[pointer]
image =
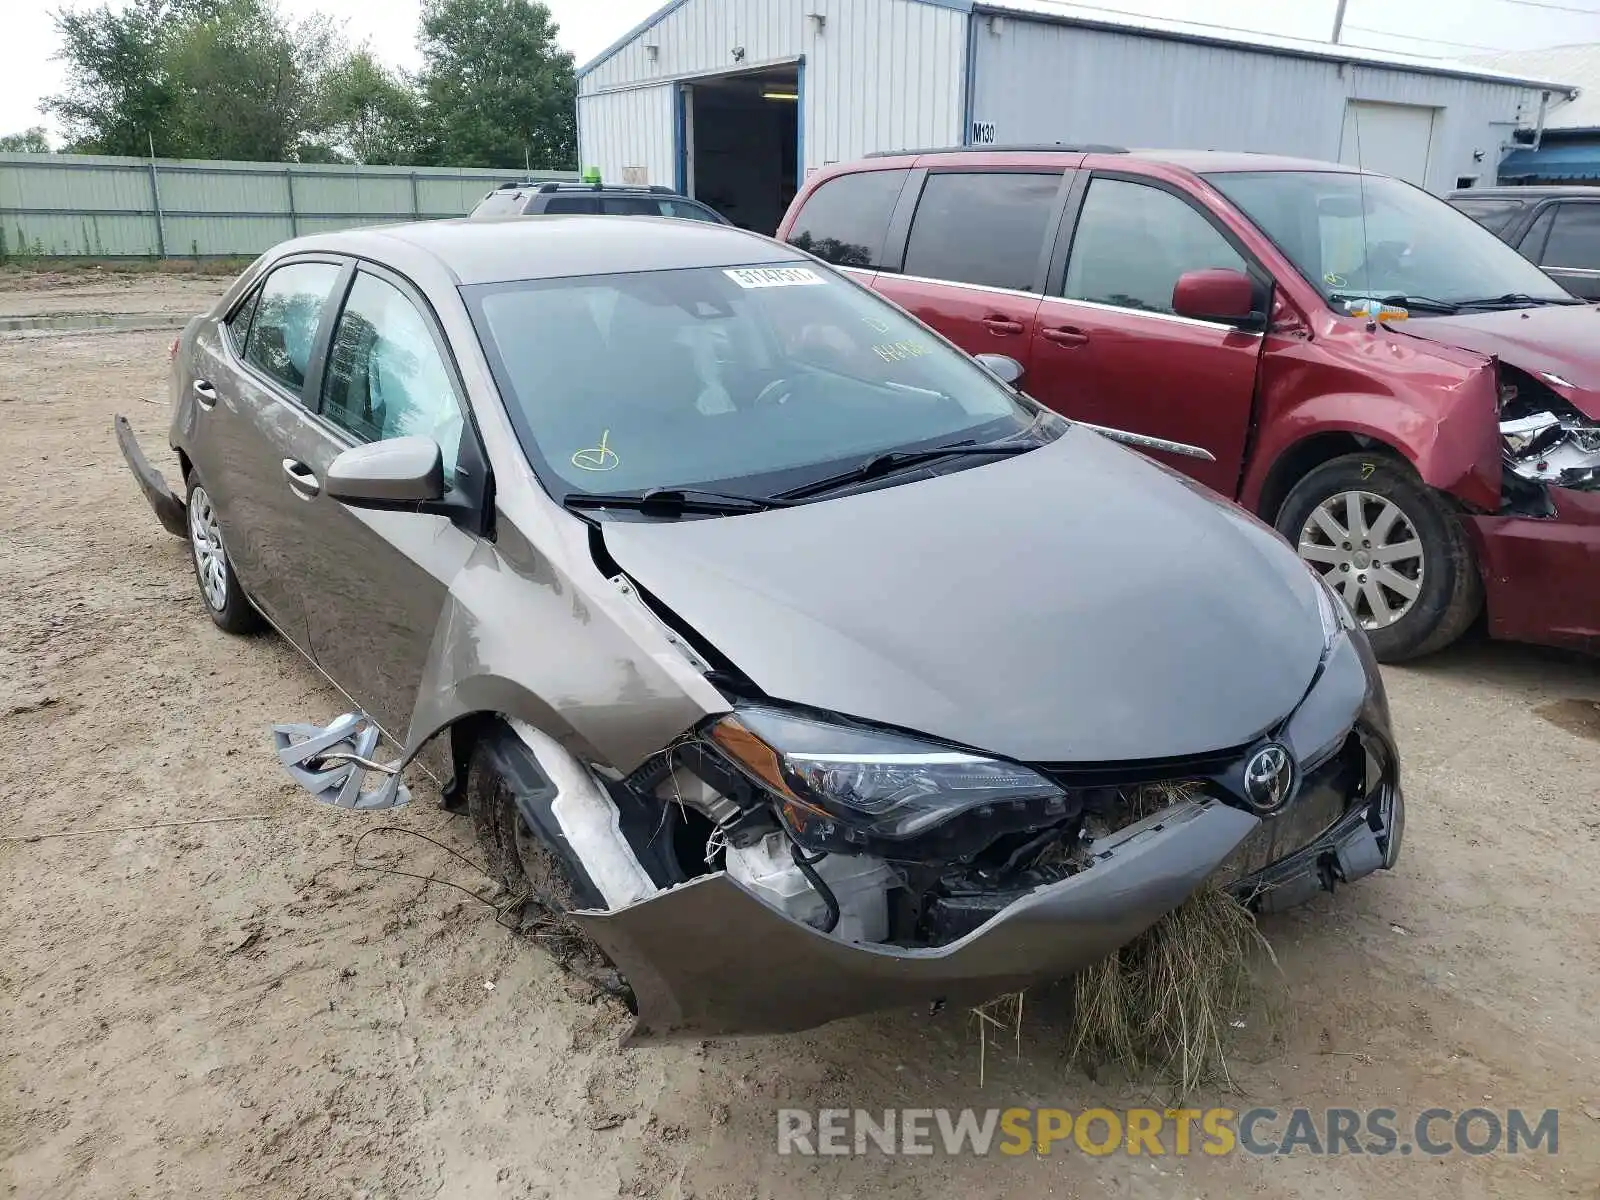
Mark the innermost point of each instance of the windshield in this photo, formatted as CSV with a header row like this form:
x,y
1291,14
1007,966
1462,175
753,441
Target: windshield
x,y
751,379
1369,235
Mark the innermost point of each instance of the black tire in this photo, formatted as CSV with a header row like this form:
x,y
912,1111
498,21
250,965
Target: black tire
x,y
1449,589
234,614
525,867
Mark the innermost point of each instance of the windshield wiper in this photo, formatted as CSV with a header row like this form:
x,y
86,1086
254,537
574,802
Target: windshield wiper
x,y
675,502
899,460
1511,299
1399,300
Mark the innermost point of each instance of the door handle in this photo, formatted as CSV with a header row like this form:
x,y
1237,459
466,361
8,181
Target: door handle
x,y
205,394
1002,326
301,481
1066,335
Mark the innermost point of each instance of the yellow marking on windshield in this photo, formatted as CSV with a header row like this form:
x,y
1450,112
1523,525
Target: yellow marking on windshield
x,y
877,323
599,458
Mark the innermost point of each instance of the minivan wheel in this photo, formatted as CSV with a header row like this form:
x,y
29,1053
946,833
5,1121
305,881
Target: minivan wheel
x,y
224,599
1392,547
525,868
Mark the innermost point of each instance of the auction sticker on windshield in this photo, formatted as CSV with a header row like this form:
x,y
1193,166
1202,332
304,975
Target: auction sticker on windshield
x,y
769,277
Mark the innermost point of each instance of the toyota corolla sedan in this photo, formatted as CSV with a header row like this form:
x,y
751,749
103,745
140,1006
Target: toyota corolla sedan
x,y
800,664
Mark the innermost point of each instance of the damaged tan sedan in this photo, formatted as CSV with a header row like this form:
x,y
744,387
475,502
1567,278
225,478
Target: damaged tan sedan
x,y
801,662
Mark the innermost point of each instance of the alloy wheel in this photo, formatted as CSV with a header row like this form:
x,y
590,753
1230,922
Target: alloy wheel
x,y
210,560
1369,551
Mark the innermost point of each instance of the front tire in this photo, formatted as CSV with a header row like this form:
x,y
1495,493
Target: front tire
x,y
525,867
1392,547
224,599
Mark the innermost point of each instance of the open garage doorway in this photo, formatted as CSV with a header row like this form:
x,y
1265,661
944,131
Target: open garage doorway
x,y
742,145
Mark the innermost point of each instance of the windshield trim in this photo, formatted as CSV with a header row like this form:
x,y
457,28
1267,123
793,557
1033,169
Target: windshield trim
x,y
559,489
1213,178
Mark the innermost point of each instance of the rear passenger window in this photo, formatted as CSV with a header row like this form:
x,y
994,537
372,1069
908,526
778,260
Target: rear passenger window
x,y
984,228
1575,237
239,324
286,320
1133,242
845,221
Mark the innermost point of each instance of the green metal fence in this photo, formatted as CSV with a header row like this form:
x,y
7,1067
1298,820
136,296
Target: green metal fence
x,y
98,206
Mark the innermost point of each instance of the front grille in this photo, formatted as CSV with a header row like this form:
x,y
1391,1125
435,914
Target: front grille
x,y
1126,791
1141,771
1324,797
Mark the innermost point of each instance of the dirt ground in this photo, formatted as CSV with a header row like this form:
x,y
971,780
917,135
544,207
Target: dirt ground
x,y
230,1009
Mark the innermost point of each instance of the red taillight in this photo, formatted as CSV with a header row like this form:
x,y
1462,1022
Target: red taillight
x,y
172,352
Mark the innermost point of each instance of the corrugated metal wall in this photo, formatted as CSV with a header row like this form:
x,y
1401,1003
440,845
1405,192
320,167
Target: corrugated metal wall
x,y
879,74
630,134
100,206
1041,82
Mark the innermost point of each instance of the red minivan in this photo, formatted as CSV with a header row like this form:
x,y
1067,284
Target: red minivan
x,y
1410,402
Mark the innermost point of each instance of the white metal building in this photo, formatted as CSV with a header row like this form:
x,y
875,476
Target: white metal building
x,y
733,101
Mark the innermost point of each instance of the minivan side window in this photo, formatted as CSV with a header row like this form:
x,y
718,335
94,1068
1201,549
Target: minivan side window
x,y
1493,214
286,321
986,228
1532,246
846,220
1575,237
1134,241
569,205
385,376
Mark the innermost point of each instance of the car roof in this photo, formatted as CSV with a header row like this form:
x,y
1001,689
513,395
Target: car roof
x,y
501,249
1537,191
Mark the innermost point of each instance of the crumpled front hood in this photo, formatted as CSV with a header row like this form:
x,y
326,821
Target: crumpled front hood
x,y
1562,340
1074,604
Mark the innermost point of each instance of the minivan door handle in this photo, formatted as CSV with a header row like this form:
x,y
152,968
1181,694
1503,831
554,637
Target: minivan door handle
x,y
1002,326
205,395
1066,335
301,481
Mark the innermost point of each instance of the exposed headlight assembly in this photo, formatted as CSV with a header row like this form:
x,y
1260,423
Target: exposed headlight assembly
x,y
840,786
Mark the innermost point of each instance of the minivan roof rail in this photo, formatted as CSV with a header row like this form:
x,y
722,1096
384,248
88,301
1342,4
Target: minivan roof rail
x,y
558,185
1036,147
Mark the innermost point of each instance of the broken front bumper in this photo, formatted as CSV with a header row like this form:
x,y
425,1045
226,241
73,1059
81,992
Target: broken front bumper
x,y
1542,574
709,958
169,509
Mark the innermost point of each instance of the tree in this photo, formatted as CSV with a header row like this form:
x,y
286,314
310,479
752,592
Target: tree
x,y
370,114
247,82
119,93
496,89
197,78
29,141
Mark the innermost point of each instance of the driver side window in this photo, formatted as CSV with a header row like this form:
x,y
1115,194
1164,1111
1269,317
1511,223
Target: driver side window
x,y
385,377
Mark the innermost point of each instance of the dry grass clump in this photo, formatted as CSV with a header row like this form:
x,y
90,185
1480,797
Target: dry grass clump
x,y
1163,1000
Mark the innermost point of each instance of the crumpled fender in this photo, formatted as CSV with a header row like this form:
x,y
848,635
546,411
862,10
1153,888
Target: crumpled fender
x,y
587,665
1441,413
708,958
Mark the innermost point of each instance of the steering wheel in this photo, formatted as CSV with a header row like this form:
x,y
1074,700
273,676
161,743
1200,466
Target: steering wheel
x,y
779,391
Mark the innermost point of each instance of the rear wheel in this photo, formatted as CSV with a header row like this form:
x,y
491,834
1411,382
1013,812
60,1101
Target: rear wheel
x,y
1392,547
224,599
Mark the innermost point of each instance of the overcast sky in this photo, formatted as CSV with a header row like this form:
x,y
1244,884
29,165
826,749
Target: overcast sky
x,y
1438,28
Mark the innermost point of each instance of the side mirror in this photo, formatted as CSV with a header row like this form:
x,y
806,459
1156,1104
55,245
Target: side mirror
x,y
1216,294
1003,367
399,473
